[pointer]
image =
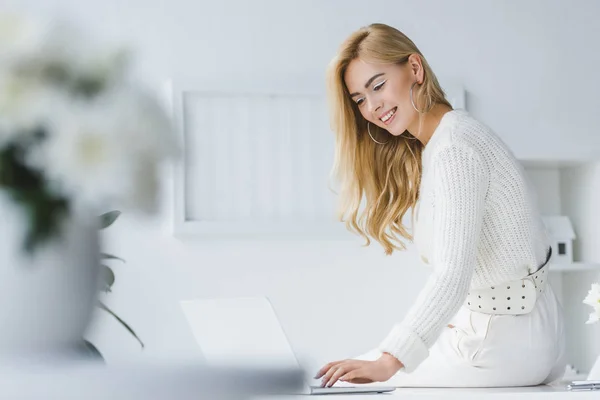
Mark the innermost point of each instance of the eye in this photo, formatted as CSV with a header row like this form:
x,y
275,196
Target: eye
x,y
360,101
379,85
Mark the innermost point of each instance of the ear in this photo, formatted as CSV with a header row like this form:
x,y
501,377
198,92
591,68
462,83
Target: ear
x,y
416,67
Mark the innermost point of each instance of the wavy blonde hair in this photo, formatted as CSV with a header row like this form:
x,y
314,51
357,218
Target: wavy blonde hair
x,y
386,176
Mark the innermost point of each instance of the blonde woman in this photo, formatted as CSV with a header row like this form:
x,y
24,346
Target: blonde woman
x,y
486,316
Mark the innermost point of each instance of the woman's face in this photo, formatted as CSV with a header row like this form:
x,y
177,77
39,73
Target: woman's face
x,y
381,92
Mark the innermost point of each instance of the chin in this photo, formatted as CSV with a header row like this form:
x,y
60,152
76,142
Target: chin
x,y
397,131
397,128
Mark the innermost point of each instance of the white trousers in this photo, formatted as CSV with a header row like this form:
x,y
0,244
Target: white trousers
x,y
485,350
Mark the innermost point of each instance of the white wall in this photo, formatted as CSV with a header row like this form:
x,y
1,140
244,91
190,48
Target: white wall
x,y
581,195
529,68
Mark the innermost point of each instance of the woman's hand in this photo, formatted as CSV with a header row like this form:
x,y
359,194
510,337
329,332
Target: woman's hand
x,y
359,371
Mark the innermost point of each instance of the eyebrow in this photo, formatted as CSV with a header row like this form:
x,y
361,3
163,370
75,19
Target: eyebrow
x,y
368,83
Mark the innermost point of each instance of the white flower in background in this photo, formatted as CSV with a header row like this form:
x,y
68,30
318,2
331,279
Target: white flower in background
x,y
41,57
24,105
106,151
54,52
32,46
21,37
593,299
103,140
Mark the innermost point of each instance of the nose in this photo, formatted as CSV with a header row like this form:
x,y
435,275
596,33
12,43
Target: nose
x,y
374,106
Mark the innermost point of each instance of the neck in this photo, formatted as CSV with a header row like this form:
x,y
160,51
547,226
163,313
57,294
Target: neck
x,y
428,123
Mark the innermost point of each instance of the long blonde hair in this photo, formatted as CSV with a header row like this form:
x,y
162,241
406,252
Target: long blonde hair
x,y
386,176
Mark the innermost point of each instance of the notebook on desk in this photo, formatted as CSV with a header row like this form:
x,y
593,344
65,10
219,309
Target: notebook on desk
x,y
246,332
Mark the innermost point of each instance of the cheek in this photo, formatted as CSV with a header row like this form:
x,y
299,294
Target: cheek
x,y
403,102
365,115
362,111
402,94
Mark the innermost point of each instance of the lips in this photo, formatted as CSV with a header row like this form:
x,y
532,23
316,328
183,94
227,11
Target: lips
x,y
388,116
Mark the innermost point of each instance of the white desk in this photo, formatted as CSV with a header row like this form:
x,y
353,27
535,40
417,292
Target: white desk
x,y
557,391
193,382
534,393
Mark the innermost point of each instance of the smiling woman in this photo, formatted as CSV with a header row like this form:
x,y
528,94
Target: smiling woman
x,y
372,92
401,146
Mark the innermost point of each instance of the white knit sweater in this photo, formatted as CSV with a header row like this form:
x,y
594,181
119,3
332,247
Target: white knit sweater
x,y
477,225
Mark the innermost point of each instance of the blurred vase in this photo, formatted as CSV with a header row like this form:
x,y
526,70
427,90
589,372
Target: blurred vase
x,y
594,374
47,298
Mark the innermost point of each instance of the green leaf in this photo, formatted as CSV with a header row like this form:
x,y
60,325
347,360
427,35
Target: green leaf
x,y
91,350
110,257
108,310
108,278
27,187
107,219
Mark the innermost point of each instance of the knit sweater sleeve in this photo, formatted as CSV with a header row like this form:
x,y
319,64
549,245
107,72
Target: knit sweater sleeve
x,y
461,181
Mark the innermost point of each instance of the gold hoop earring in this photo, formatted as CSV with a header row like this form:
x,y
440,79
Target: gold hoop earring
x,y
372,138
408,138
412,100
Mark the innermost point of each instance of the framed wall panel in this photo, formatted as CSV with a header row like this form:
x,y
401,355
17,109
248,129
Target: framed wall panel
x,y
256,163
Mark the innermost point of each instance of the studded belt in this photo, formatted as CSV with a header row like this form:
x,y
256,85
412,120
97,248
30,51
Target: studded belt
x,y
510,298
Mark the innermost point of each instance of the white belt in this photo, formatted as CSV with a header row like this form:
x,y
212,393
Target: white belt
x,y
510,298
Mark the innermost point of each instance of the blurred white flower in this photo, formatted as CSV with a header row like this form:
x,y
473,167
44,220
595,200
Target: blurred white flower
x,y
39,57
24,106
106,151
593,299
21,36
96,139
55,52
32,45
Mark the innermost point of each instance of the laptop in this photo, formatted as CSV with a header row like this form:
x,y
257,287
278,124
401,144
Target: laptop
x,y
245,332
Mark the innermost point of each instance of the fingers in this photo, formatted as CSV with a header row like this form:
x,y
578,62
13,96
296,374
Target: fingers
x,y
338,370
329,374
327,367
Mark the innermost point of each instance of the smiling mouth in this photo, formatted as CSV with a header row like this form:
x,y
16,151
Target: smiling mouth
x,y
387,117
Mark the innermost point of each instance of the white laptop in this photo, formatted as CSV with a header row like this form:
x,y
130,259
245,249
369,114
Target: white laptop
x,y
246,332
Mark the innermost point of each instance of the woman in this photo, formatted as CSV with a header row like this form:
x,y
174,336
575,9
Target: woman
x,y
401,146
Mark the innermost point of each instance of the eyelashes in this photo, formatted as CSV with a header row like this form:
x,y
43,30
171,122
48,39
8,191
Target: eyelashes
x,y
379,85
376,88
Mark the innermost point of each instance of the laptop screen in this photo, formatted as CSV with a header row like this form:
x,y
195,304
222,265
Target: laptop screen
x,y
241,331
